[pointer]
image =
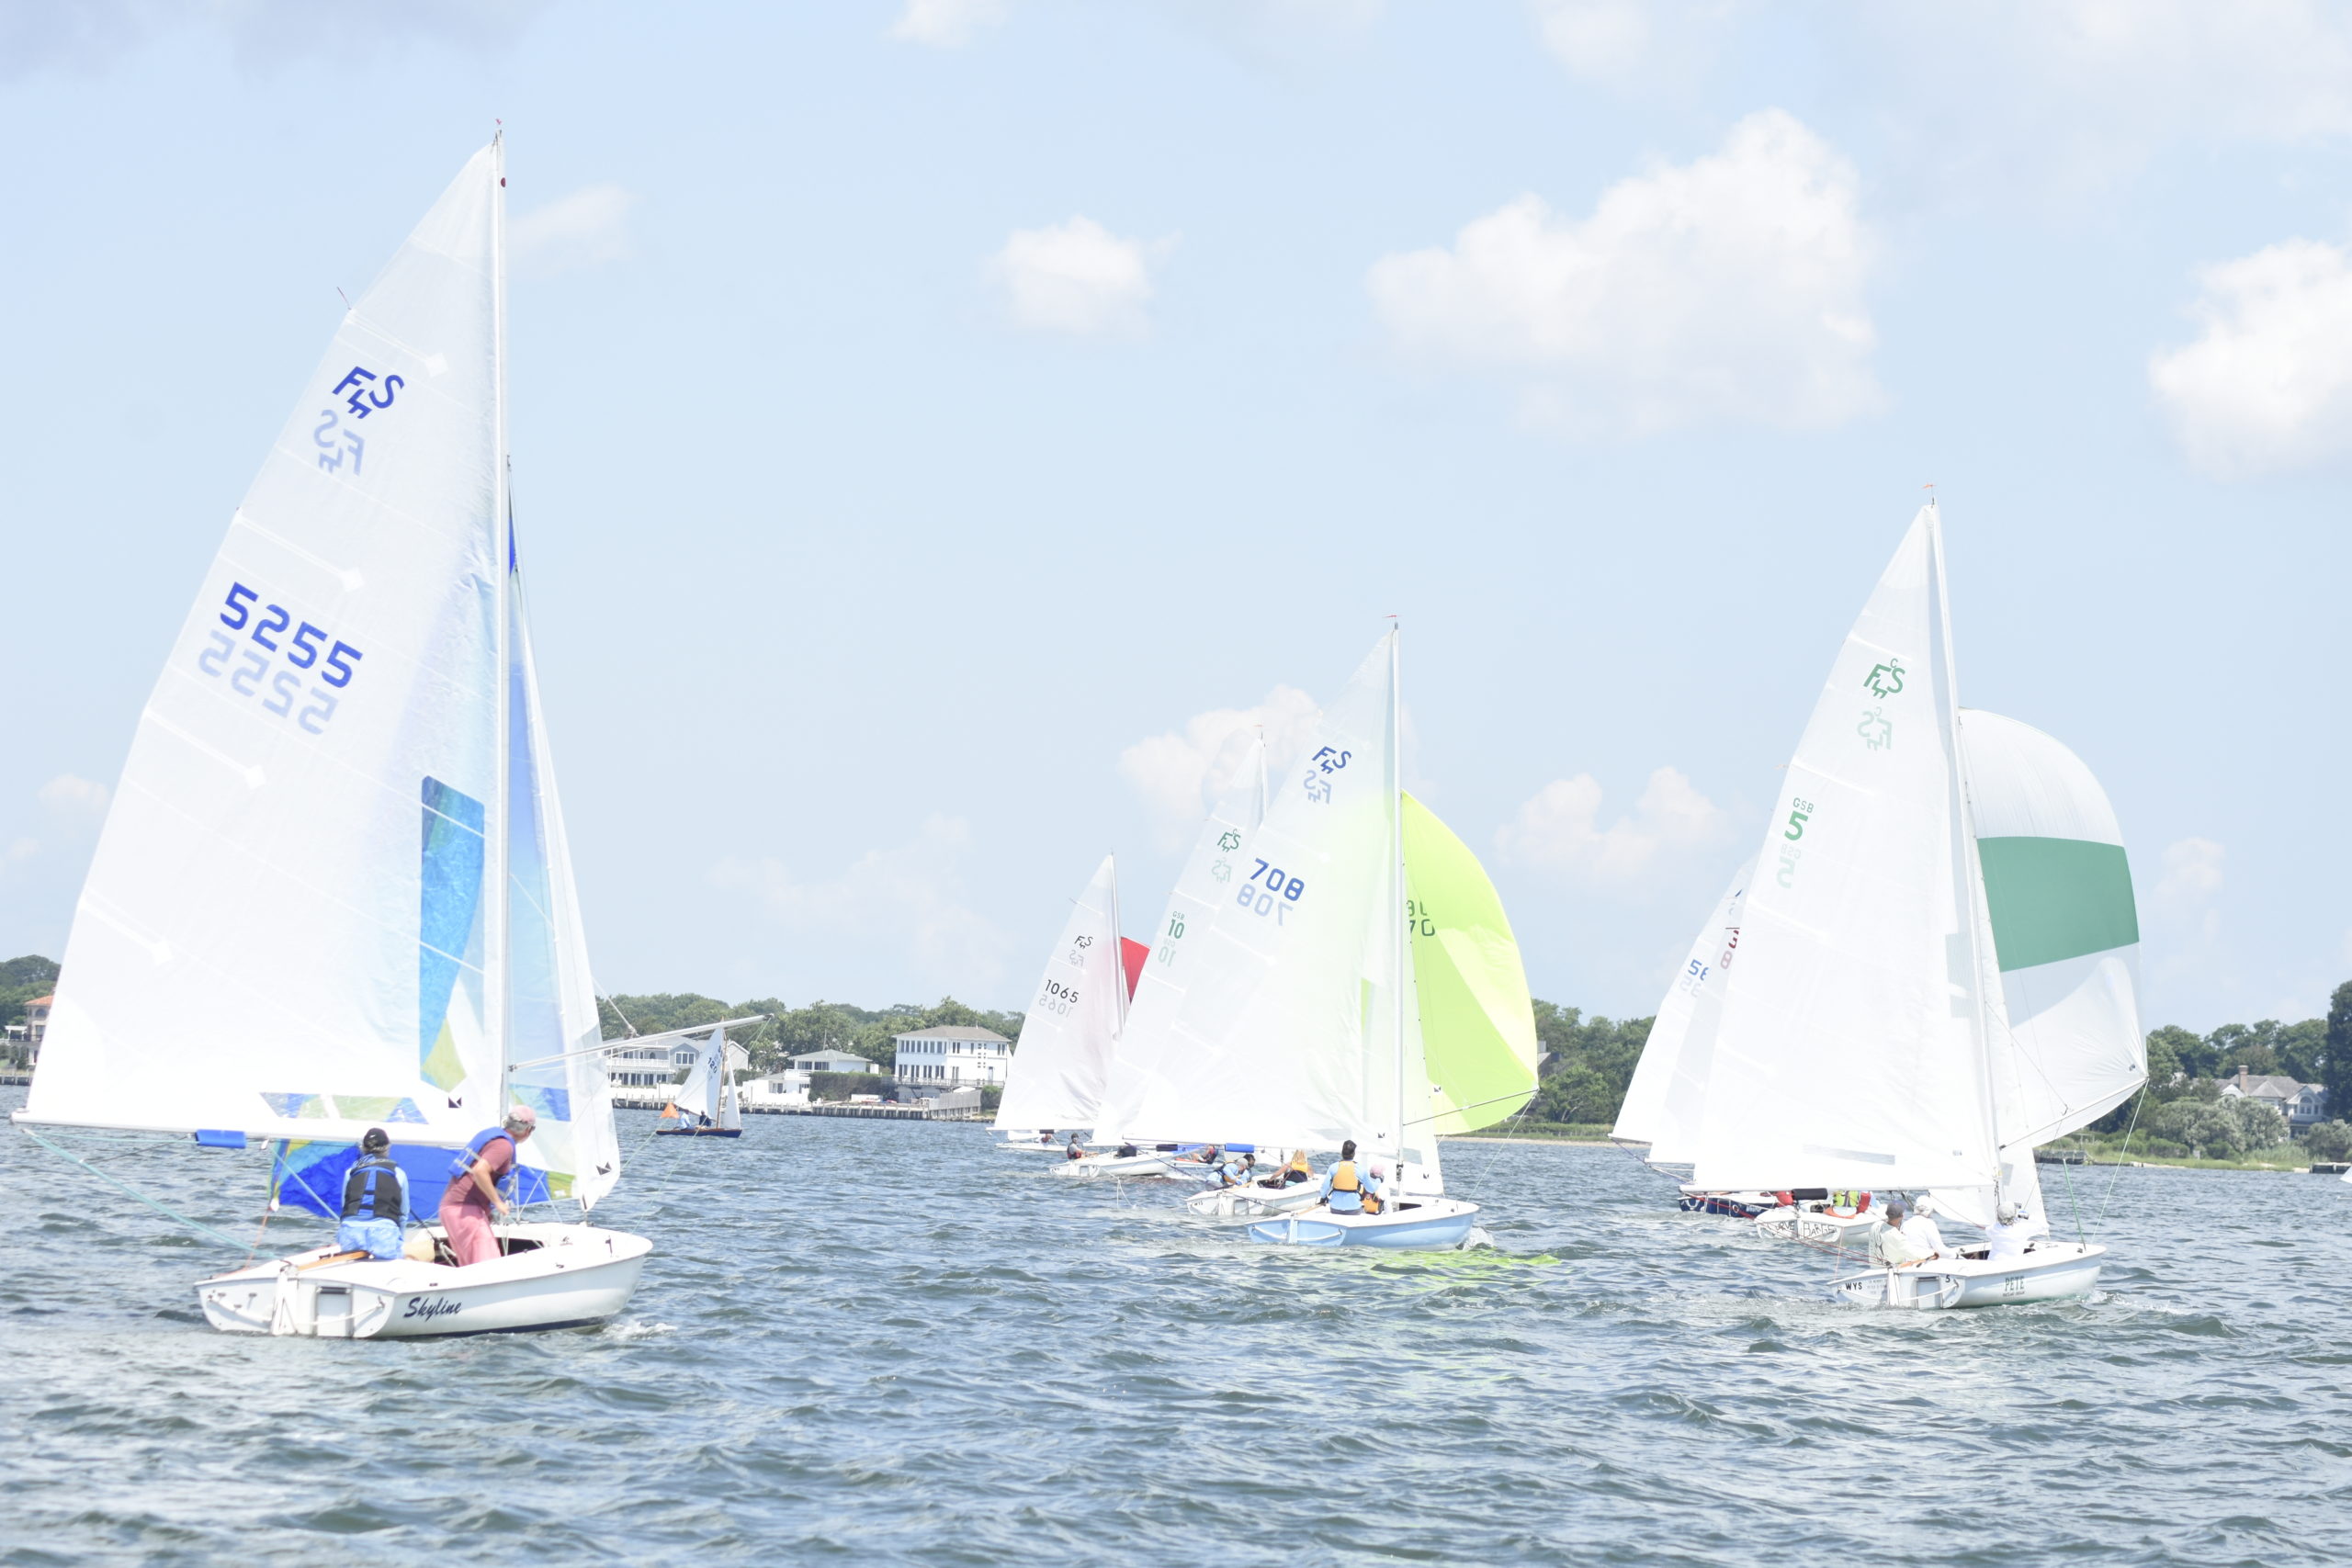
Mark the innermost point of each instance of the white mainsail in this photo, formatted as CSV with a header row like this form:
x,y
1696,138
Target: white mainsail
x,y
1205,883
1063,1058
1666,1099
1853,1048
334,891
1285,1015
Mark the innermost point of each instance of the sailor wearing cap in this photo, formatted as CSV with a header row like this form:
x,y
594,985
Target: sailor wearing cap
x,y
478,1178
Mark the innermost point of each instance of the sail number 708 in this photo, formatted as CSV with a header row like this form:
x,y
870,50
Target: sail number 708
x,y
1269,891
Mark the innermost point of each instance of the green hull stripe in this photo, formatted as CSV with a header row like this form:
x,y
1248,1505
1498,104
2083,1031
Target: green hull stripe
x,y
2053,899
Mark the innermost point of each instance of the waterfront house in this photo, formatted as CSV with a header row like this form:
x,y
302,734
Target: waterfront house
x,y
2300,1103
832,1062
951,1056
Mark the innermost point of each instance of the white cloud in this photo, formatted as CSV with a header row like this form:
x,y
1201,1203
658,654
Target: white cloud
x,y
911,894
1619,41
2267,383
91,35
946,24
1559,828
1076,277
78,800
1180,775
1729,289
590,225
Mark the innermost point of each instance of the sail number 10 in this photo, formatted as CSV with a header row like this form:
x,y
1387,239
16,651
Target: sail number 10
x,y
1270,892
307,648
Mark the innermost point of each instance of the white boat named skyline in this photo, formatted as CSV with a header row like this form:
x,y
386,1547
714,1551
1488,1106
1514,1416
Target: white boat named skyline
x,y
333,890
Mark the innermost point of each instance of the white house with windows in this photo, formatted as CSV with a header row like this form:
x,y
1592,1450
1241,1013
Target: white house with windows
x,y
832,1062
951,1055
646,1066
2300,1103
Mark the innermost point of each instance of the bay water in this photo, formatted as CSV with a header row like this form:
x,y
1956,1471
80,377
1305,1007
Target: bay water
x,y
864,1341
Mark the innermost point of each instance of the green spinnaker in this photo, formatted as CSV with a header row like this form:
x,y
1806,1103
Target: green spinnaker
x,y
1478,1024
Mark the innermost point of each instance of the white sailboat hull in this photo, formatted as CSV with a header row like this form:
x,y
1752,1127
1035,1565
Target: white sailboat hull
x,y
575,1274
1137,1166
1414,1225
2050,1272
1818,1227
1224,1202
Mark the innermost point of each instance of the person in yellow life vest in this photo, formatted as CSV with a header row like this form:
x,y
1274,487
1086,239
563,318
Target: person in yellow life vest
x,y
1348,1191
1290,1175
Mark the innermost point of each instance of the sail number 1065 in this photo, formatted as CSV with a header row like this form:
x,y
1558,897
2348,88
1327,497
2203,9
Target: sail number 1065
x,y
1269,891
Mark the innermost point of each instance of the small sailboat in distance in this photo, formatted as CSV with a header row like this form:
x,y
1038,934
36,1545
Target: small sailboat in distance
x,y
706,1105
1063,1057
334,892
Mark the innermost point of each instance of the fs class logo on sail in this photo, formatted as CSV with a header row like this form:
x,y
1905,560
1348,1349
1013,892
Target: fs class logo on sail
x,y
368,394
309,649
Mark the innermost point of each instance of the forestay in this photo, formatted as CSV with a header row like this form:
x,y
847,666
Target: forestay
x,y
1062,1060
1850,1050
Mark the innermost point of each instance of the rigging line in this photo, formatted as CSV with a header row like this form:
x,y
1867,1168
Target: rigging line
x,y
2122,1160
116,1182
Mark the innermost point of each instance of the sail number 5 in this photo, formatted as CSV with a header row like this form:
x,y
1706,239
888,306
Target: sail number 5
x,y
1269,891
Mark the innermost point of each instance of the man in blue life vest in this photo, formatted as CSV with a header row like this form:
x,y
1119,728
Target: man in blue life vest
x,y
1348,1191
1235,1172
375,1200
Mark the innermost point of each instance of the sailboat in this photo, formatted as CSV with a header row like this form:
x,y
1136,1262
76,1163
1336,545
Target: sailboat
x,y
1203,886
1936,963
334,891
1358,983
705,1102
1062,1058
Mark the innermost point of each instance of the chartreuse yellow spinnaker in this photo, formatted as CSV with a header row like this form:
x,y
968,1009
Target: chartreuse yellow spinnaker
x,y
1478,1024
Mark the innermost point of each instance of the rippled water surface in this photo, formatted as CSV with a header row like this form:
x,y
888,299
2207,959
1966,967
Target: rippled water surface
x,y
881,1341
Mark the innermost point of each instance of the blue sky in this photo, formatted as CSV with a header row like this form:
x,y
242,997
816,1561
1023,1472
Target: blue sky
x,y
937,425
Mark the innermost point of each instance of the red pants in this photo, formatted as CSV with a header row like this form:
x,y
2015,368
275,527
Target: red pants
x,y
470,1236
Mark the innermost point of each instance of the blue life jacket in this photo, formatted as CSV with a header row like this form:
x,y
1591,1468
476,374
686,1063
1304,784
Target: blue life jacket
x,y
372,1190
464,1163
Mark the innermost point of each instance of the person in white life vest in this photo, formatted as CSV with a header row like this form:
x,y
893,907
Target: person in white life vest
x,y
375,1200
2011,1229
1924,1232
1892,1245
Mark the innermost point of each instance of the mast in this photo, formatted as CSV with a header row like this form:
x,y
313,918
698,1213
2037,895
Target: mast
x,y
1118,958
497,950
1396,788
1970,890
